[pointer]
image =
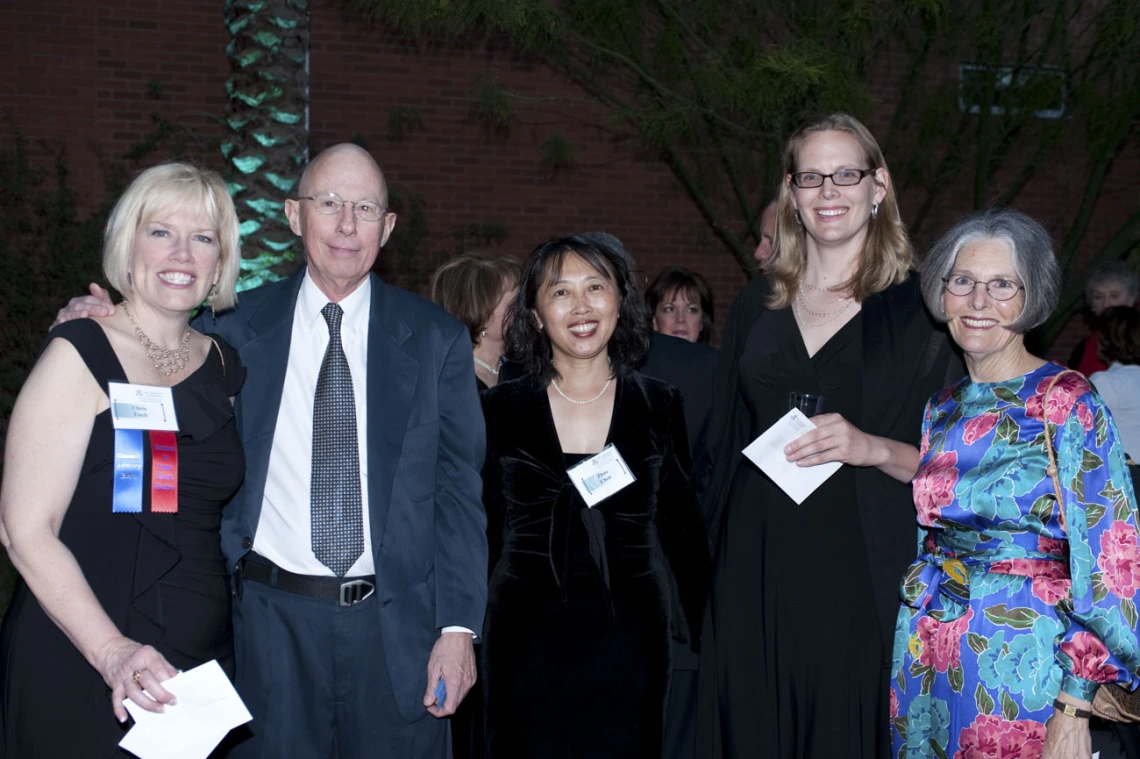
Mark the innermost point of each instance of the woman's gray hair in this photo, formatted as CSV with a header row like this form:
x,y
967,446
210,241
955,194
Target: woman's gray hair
x,y
1031,252
1113,271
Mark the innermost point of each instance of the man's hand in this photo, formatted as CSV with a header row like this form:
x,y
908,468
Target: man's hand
x,y
98,303
453,660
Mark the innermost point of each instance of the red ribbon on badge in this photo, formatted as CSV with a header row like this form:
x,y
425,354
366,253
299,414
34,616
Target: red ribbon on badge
x,y
163,472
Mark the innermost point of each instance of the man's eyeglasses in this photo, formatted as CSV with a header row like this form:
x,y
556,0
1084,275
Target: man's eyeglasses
x,y
998,289
842,178
331,204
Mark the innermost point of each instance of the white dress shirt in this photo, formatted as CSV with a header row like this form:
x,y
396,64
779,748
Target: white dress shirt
x,y
284,530
1119,386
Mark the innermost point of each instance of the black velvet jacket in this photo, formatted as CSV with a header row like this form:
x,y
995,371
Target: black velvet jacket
x,y
652,529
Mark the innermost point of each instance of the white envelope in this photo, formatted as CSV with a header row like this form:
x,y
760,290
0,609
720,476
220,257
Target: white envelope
x,y
208,708
767,452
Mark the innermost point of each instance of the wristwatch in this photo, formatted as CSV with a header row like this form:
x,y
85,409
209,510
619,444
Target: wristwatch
x,y
1071,710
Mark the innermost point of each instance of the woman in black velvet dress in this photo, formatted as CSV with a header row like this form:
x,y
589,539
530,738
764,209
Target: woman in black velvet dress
x,y
584,601
118,592
795,652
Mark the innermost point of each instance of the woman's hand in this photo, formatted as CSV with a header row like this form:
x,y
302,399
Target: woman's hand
x,y
833,439
118,661
1067,737
836,439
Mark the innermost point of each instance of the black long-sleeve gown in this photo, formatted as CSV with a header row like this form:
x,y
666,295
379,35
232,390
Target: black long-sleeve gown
x,y
583,601
796,644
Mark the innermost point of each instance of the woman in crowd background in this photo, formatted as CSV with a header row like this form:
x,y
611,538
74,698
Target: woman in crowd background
x,y
477,291
1119,385
796,642
1019,607
1112,284
681,303
584,600
121,587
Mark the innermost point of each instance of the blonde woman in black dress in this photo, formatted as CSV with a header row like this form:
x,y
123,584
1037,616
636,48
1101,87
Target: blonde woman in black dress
x,y
796,644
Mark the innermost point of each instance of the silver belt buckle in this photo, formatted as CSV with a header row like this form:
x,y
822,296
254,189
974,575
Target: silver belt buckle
x,y
355,591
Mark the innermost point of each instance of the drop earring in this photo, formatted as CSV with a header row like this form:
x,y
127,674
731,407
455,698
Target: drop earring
x,y
212,298
874,211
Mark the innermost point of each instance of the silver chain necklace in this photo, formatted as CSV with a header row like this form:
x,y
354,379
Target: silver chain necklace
x,y
486,366
601,392
167,361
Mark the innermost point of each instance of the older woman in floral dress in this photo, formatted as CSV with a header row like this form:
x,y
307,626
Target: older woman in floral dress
x,y
1018,609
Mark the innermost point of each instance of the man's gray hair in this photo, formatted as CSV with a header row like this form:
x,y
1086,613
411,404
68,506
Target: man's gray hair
x,y
1031,252
1113,271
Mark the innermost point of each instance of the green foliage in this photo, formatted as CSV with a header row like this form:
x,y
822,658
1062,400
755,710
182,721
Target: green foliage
x,y
714,87
268,143
557,154
491,102
404,120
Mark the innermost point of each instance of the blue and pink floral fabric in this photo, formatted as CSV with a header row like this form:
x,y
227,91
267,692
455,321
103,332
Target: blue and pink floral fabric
x,y
1013,598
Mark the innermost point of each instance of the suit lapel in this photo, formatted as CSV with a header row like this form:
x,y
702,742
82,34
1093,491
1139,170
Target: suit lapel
x,y
392,378
266,358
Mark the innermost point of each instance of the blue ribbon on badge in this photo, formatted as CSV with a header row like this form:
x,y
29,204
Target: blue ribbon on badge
x,y
128,490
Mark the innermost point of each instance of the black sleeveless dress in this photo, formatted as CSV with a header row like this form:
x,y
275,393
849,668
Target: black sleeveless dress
x,y
160,577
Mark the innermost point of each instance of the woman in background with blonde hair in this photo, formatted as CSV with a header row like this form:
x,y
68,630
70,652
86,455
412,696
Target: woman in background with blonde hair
x,y
477,291
796,645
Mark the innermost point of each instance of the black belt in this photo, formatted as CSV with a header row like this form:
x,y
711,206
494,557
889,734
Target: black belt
x,y
348,592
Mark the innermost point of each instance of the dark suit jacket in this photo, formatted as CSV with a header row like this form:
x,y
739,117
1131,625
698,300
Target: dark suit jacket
x,y
689,367
908,357
426,442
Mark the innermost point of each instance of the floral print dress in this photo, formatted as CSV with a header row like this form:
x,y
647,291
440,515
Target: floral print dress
x,y
1013,599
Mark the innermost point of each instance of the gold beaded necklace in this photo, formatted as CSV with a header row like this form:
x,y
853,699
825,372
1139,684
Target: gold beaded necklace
x,y
166,361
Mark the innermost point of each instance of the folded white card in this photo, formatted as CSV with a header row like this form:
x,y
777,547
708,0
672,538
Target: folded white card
x,y
767,452
208,708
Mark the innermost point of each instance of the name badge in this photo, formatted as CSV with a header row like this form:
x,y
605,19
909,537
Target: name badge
x,y
142,407
601,475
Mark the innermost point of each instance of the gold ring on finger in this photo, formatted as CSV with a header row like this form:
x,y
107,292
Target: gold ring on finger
x,y
137,674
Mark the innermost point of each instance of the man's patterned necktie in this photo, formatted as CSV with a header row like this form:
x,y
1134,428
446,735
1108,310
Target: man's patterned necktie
x,y
337,519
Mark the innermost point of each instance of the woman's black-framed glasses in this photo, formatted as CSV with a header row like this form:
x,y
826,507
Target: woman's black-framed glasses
x,y
330,204
806,180
998,289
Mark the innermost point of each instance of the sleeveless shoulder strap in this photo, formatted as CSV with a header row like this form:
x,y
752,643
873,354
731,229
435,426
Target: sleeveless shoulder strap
x,y
94,348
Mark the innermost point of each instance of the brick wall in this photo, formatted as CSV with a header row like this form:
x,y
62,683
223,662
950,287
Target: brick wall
x,y
91,76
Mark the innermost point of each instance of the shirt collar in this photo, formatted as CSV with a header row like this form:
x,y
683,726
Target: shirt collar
x,y
355,305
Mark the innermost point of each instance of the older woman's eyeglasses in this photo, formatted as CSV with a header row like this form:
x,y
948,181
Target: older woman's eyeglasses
x,y
842,178
998,289
330,204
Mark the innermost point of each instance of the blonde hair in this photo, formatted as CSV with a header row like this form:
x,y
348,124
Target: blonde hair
x,y
161,188
886,255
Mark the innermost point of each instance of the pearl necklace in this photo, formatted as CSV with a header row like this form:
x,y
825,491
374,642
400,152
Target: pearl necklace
x,y
601,392
486,366
829,315
166,361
